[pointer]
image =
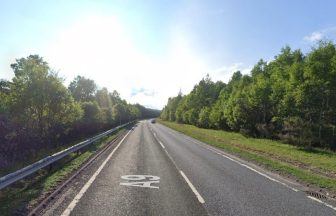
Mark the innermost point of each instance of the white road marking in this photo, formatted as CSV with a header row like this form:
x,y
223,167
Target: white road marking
x,y
74,202
161,144
158,140
137,181
244,165
254,170
144,184
199,197
140,177
319,201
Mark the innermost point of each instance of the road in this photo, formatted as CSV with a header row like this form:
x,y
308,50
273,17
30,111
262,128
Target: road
x,y
157,171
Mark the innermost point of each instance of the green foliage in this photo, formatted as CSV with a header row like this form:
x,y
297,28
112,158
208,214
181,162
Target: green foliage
x,y
103,98
204,117
4,96
83,89
314,167
38,113
39,101
92,113
292,97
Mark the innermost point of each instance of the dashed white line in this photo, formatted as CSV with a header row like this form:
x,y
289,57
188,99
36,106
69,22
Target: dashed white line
x,y
158,140
199,197
74,202
248,167
244,165
162,145
319,201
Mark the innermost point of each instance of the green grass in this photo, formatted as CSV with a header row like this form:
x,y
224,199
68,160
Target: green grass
x,y
17,199
316,167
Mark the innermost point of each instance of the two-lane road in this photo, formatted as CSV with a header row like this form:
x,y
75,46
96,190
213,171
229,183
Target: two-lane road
x,y
158,171
124,186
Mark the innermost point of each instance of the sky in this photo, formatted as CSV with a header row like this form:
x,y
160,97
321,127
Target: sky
x,y
149,50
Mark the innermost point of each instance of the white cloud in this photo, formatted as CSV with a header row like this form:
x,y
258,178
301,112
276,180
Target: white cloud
x,y
327,33
225,73
147,92
313,37
99,48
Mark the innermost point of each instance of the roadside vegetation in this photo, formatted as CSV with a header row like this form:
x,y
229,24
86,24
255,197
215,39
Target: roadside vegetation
x,y
19,198
291,98
39,115
281,115
316,167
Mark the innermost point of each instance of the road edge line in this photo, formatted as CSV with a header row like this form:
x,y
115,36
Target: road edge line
x,y
198,195
87,185
252,169
324,203
226,155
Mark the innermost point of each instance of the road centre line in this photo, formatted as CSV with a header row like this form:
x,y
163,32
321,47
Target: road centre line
x,y
192,187
158,140
250,168
74,202
199,197
161,144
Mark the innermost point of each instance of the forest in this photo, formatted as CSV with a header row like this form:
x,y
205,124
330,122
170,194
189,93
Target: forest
x,y
291,98
39,113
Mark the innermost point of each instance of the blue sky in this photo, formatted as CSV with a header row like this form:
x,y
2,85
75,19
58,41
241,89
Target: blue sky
x,y
148,50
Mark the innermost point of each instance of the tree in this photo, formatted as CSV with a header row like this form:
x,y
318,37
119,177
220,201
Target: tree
x,y
92,114
83,89
4,96
292,97
204,117
217,118
317,94
119,112
39,101
38,113
103,98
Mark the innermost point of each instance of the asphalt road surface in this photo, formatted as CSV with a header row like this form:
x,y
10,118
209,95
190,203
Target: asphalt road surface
x,y
157,171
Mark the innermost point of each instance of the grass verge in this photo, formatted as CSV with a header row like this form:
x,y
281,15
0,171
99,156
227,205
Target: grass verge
x,y
17,199
315,167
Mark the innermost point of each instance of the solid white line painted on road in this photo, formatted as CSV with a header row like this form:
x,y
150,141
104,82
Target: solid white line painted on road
x,y
74,202
242,164
199,197
254,170
319,201
246,166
